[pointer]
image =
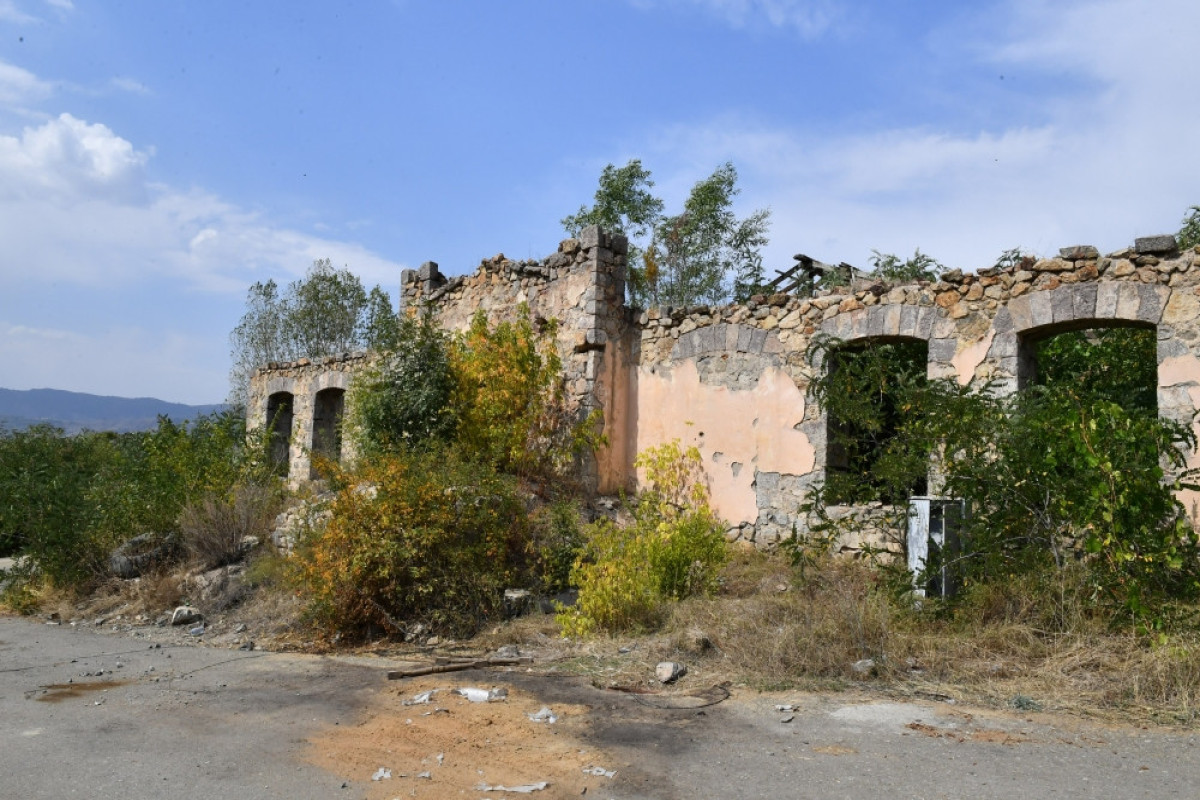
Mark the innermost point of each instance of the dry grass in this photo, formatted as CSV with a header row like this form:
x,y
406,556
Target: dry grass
x,y
769,629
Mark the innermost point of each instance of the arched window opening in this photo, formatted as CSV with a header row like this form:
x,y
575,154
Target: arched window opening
x,y
866,406
1110,364
279,420
327,424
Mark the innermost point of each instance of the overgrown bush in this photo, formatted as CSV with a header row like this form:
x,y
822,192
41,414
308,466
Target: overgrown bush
x,y
494,391
418,540
67,501
509,400
556,539
405,399
1077,468
220,529
673,549
1189,233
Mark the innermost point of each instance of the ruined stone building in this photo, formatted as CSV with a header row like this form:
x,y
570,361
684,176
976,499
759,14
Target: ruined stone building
x,y
732,380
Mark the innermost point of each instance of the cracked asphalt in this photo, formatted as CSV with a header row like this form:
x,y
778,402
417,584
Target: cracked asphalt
x,y
111,716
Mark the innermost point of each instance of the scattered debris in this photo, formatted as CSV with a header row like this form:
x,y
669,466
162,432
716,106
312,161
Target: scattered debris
x,y
476,695
421,699
863,666
785,707
382,774
197,631
185,615
544,715
670,671
426,775
788,719
525,788
458,666
599,772
246,646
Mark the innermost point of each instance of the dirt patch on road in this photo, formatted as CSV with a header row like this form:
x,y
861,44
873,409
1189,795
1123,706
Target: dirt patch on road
x,y
450,746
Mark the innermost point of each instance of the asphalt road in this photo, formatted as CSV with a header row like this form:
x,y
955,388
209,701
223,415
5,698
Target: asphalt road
x,y
106,716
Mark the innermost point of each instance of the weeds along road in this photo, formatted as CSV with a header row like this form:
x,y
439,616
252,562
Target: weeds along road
x,y
108,716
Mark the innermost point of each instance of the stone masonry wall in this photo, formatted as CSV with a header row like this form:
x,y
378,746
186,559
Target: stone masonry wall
x,y
732,380
582,286
302,379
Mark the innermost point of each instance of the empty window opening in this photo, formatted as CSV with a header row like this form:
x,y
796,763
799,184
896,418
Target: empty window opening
x,y
279,418
1115,364
866,406
327,424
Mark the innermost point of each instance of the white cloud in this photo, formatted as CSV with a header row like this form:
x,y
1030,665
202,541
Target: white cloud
x,y
70,161
75,201
18,85
129,85
62,5
1111,157
809,18
10,13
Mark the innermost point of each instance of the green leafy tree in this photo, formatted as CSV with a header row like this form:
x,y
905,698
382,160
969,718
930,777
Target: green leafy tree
x,y
1189,234
1078,467
707,251
405,399
889,267
381,324
326,312
703,254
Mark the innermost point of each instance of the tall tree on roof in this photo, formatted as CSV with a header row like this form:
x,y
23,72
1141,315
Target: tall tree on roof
x,y
705,254
326,312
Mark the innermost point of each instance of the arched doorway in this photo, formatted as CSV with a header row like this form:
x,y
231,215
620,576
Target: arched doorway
x,y
279,420
327,425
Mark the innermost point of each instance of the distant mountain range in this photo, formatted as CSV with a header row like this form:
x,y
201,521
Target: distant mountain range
x,y
76,411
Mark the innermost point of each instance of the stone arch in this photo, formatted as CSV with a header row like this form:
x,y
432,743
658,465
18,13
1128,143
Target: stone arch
x,y
1031,317
280,412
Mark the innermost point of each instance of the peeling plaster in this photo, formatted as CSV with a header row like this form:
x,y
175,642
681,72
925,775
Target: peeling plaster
x,y
968,359
754,426
1180,371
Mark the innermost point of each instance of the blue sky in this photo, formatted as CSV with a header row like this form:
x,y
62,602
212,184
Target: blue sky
x,y
156,158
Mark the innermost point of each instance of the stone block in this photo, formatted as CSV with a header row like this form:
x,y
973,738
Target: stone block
x,y
1083,301
1062,305
429,271
745,334
942,350
908,320
731,337
1183,307
891,321
1080,252
925,317
1128,301
1107,295
590,237
1003,322
1164,243
773,345
758,338
1150,303
1022,314
1041,309
683,349
1004,345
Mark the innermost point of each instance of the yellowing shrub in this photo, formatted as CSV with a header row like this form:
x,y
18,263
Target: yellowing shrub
x,y
674,549
415,538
